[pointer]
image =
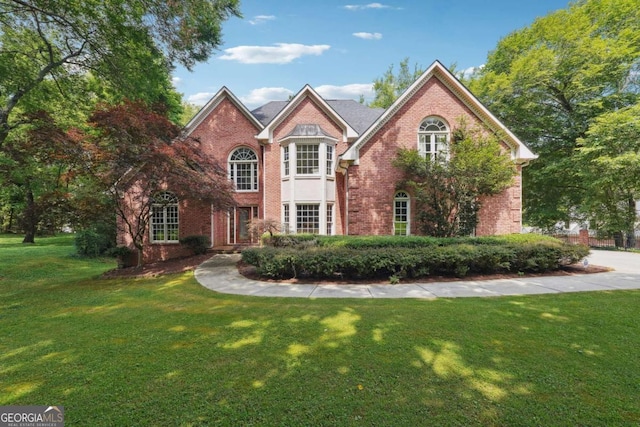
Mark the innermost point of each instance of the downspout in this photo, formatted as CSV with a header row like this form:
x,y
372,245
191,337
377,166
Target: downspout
x,y
342,166
346,202
212,225
264,180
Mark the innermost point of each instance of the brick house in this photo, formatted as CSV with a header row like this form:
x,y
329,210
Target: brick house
x,y
325,166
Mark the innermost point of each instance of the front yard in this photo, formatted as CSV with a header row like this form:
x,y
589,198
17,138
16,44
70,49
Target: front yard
x,y
165,351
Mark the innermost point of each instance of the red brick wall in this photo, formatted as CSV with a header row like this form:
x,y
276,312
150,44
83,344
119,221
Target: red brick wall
x,y
365,196
224,130
372,184
220,133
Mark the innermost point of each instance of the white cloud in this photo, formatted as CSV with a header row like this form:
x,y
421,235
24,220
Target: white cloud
x,y
468,72
263,95
281,53
175,81
350,91
366,6
368,36
261,19
200,98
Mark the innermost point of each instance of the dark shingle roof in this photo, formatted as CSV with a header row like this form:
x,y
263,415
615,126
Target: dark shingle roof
x,y
359,116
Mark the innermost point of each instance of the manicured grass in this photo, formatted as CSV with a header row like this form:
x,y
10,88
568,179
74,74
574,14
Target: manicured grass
x,y
166,351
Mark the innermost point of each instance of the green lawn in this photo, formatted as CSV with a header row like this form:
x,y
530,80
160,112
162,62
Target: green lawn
x,y
167,352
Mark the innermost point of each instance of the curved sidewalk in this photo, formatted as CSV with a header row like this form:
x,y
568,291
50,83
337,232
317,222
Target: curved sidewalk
x,y
221,275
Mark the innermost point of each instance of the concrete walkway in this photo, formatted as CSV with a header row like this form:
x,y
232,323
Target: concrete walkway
x,y
221,275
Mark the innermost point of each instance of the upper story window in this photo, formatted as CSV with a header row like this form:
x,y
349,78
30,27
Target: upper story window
x,y
285,160
164,218
329,160
433,138
307,159
243,169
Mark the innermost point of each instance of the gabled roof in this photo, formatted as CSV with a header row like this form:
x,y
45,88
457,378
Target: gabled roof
x,y
358,115
349,133
221,95
520,152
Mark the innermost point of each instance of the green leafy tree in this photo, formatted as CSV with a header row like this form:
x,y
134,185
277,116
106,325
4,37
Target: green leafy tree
x,y
60,58
547,82
128,45
188,112
610,155
136,152
390,86
39,163
449,188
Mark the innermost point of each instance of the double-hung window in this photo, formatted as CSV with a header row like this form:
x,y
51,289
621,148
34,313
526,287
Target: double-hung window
x,y
308,218
164,218
307,159
329,160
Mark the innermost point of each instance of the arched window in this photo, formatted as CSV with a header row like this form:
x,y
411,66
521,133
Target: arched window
x,y
243,169
401,214
164,218
433,138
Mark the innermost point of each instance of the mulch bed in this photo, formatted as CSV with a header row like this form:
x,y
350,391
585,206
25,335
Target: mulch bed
x,y
190,263
178,265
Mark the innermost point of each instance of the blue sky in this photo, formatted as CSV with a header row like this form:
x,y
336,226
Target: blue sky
x,y
340,47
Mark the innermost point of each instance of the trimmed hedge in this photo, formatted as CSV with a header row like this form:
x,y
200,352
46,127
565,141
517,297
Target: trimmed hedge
x,y
197,244
370,257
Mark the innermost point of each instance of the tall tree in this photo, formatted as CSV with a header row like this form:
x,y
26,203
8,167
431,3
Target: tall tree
x,y
61,57
390,86
449,188
39,163
549,81
610,155
128,44
137,153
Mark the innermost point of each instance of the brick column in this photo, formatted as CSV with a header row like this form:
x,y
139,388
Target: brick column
x,y
583,237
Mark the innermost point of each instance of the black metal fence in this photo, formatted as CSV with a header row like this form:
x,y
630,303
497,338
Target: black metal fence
x,y
599,242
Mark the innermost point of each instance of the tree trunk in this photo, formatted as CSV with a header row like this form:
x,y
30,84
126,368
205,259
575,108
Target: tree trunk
x,y
140,260
30,219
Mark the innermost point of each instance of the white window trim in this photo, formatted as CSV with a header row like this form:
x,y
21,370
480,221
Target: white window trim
x,y
402,196
233,171
174,203
443,129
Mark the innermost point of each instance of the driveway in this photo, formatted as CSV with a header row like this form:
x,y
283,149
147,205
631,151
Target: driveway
x,y
221,275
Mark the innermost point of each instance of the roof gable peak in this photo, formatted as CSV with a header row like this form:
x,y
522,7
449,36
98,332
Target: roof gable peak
x,y
437,70
307,92
207,109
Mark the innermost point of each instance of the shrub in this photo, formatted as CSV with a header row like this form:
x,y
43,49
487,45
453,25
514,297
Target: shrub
x,y
94,241
370,257
198,244
290,240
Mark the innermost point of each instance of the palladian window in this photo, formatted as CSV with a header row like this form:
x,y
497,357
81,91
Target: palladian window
x,y
433,139
243,169
164,218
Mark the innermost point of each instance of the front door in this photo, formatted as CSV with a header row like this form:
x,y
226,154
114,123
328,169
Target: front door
x,y
243,216
239,224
